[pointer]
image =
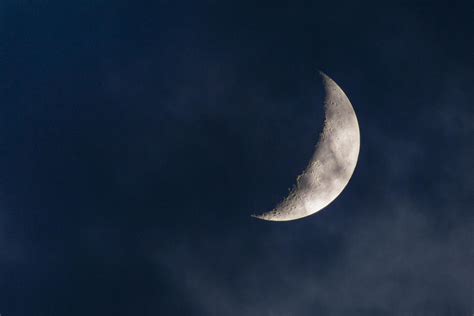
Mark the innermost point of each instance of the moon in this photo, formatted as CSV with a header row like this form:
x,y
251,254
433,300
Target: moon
x,y
332,164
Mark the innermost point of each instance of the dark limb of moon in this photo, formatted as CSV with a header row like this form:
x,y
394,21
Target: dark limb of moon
x,y
332,164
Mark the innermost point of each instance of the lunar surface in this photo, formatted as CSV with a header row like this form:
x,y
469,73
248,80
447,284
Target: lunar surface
x,y
332,164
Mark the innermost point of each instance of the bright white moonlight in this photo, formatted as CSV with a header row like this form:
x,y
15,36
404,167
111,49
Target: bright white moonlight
x,y
332,164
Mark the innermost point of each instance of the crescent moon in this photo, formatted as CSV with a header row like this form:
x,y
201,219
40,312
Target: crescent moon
x,y
333,162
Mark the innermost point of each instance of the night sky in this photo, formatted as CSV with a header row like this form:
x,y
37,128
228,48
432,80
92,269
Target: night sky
x,y
137,138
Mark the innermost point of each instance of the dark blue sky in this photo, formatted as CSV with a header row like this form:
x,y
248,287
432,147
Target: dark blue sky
x,y
137,138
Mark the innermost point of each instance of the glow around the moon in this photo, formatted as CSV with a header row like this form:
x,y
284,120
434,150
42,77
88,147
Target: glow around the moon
x,y
332,164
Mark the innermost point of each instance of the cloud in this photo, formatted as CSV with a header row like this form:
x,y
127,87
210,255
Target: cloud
x,y
393,263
